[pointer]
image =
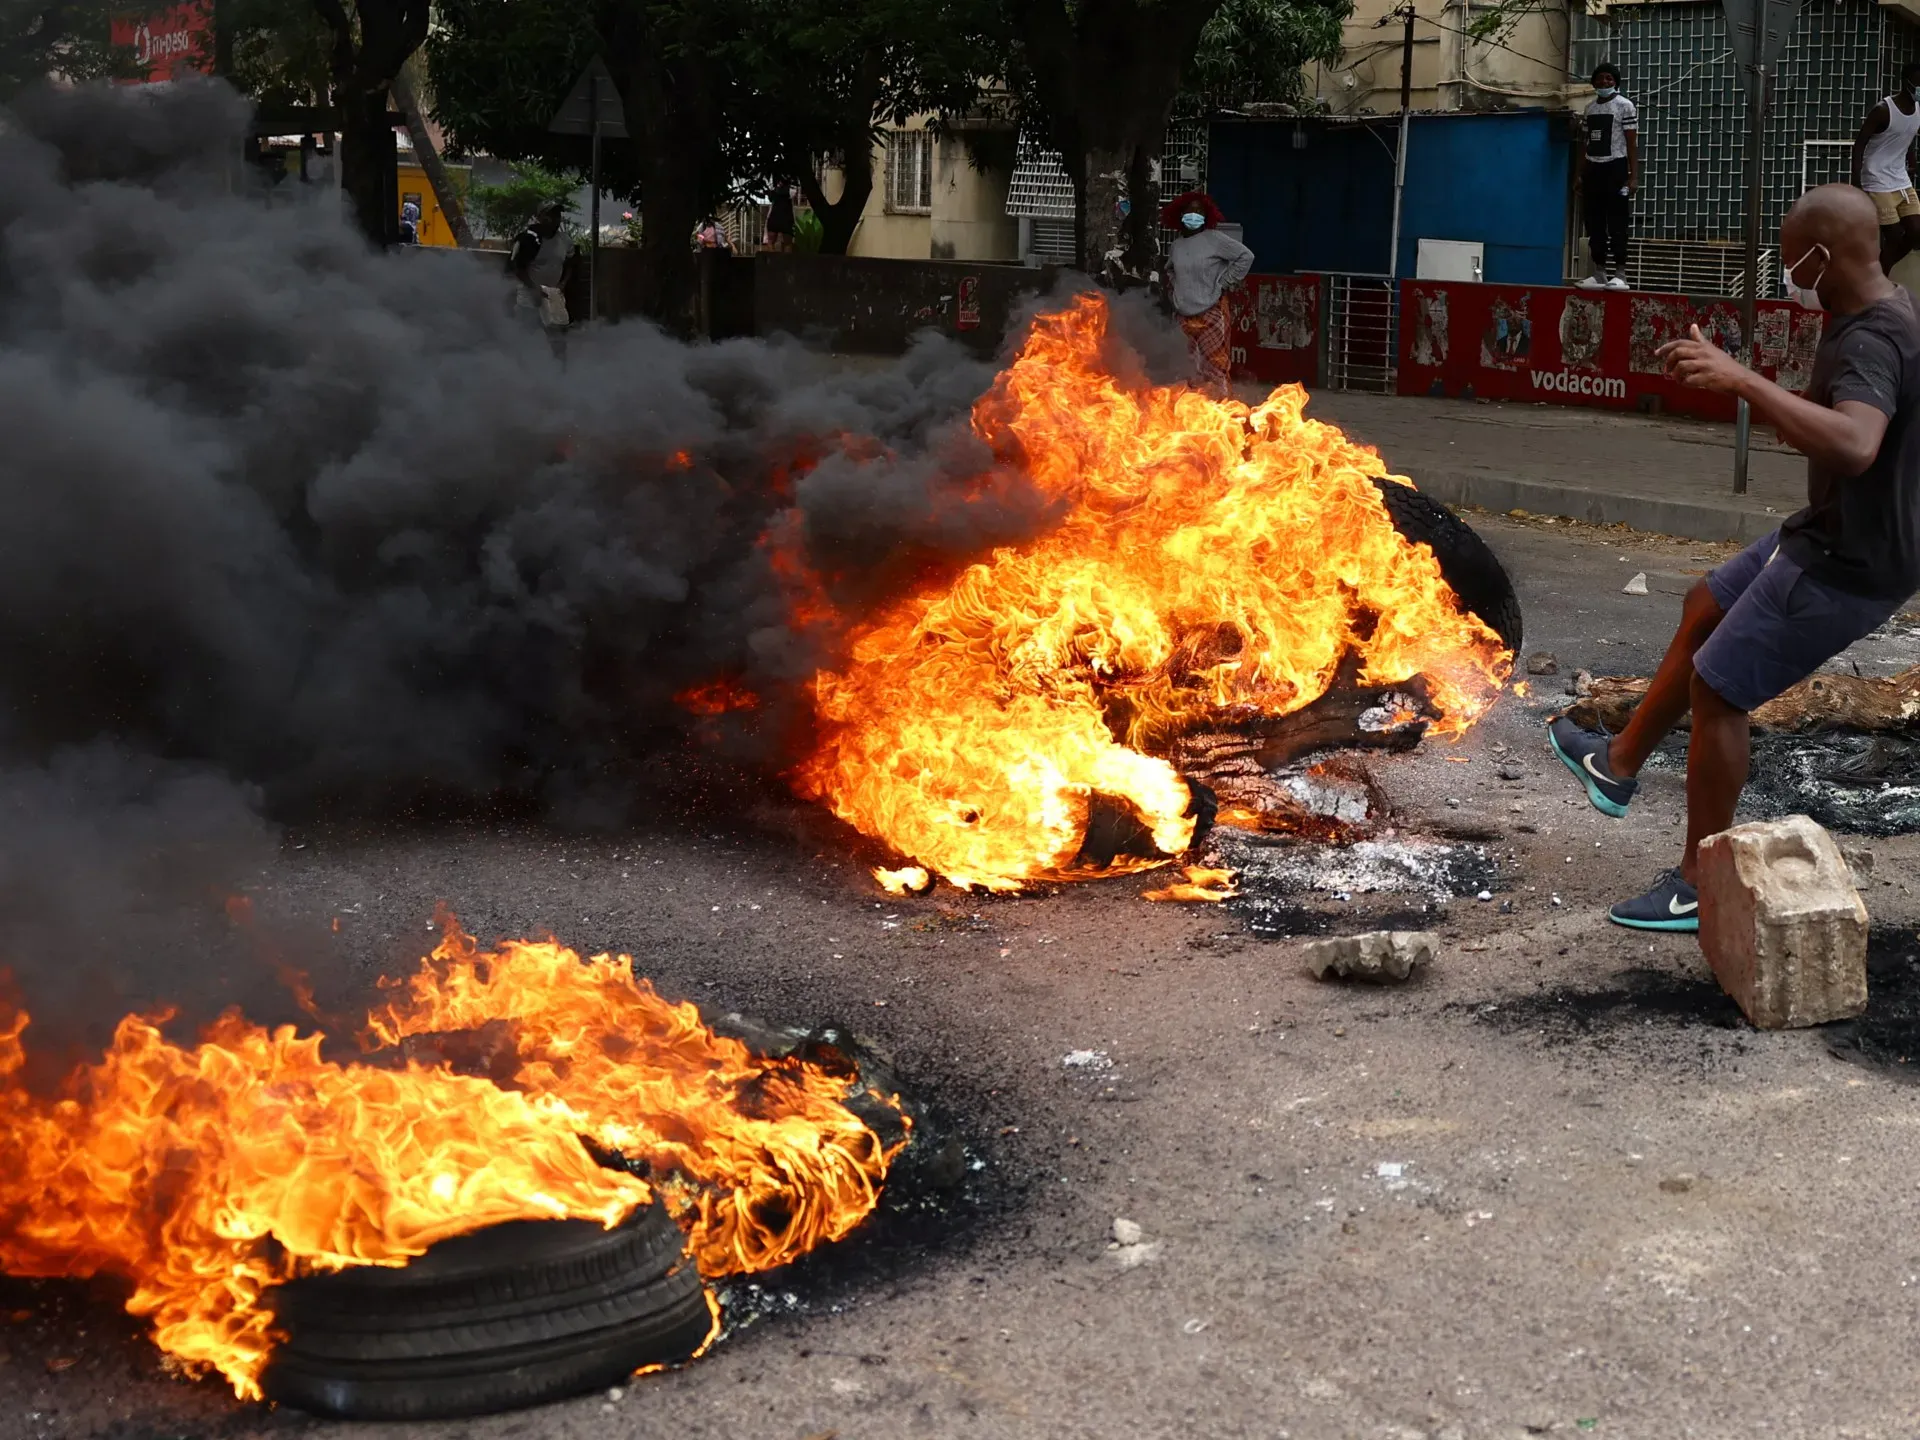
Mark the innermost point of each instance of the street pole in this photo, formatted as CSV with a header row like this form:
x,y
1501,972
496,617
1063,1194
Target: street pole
x,y
1406,13
1750,303
593,240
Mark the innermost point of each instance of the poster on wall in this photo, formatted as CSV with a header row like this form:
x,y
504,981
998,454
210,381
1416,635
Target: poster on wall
x,y
167,44
1556,346
1276,329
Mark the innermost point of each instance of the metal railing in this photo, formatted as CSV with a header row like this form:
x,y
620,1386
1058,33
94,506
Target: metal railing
x,y
1687,267
1362,333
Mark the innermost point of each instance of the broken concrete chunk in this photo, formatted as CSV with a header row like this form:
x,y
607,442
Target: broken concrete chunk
x,y
1382,955
1543,662
1581,683
1782,925
1127,1232
1636,586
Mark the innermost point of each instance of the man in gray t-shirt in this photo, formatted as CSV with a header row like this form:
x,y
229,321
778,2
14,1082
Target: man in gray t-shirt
x,y
1830,575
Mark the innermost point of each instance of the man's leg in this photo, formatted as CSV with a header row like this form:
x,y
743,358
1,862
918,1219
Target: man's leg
x,y
1718,755
1670,692
1608,766
1594,212
1619,218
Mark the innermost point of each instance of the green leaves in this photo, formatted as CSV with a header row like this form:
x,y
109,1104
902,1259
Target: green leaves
x,y
1252,51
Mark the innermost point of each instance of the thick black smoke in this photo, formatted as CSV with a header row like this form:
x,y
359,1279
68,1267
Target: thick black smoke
x,y
340,525
291,528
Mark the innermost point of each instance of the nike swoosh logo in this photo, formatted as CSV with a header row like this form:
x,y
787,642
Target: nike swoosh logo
x,y
1674,907
1587,761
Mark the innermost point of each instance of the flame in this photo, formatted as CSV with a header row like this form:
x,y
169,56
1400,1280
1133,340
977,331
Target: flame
x,y
1201,885
908,880
717,697
1208,557
206,1175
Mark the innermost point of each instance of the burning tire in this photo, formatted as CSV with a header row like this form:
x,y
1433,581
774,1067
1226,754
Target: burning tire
x,y
1470,567
512,1315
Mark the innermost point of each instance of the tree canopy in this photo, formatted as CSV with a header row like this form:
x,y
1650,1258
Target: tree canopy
x,y
39,38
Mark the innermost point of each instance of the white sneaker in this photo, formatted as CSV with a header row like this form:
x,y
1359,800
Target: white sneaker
x,y
1618,282
1592,282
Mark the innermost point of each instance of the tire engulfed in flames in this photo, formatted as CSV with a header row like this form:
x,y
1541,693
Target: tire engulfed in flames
x,y
206,1175
1210,560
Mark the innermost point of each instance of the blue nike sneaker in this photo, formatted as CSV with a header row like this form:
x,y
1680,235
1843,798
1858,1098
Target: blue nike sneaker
x,y
1584,752
1672,904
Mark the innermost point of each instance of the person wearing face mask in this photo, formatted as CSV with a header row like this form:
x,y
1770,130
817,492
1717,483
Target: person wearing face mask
x,y
1202,265
1880,167
1608,170
1831,574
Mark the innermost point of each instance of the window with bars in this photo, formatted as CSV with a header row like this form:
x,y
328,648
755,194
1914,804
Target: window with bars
x,y
910,171
1677,66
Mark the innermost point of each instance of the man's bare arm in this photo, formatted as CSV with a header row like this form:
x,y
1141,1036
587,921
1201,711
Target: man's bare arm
x,y
1844,437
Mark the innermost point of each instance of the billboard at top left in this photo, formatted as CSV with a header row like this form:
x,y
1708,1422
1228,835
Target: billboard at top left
x,y
168,44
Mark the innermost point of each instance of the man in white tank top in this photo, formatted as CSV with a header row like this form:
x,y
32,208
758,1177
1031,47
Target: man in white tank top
x,y
1880,167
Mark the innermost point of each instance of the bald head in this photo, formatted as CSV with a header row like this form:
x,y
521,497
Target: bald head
x,y
1839,217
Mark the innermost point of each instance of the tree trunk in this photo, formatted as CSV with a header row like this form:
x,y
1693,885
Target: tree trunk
x,y
1106,73
671,204
674,97
366,164
840,218
429,158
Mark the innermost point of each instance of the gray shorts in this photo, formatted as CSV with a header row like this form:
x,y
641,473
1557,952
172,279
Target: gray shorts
x,y
1781,625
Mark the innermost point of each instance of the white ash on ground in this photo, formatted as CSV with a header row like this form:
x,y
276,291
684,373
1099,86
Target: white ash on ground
x,y
1301,887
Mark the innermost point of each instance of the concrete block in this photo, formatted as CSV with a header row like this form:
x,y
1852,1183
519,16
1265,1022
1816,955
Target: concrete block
x,y
1378,955
1782,925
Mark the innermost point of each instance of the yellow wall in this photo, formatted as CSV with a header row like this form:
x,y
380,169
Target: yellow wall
x,y
434,229
1450,71
969,218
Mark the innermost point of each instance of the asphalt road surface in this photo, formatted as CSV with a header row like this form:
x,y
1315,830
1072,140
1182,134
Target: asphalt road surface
x,y
1554,1188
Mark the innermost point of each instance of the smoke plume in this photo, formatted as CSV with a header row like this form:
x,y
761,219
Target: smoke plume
x,y
289,527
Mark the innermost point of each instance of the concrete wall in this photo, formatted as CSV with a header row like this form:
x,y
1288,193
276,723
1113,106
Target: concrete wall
x,y
874,306
1450,71
852,304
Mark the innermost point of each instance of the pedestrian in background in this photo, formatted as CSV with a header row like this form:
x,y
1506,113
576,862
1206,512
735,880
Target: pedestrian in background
x,y
542,262
1606,176
1880,149
1203,264
1832,573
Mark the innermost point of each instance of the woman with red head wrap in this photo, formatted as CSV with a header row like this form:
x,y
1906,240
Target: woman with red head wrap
x,y
1202,265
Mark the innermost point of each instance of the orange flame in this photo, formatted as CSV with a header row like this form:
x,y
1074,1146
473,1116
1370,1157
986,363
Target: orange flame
x,y
1201,885
1209,558
207,1175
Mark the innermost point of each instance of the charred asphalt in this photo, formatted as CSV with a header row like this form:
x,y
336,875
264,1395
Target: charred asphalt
x,y
1553,1187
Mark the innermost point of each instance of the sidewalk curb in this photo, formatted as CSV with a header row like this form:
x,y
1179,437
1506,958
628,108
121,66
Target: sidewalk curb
x,y
1687,519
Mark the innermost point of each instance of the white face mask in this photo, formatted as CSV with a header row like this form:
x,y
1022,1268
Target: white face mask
x,y
1792,286
1606,92
1193,221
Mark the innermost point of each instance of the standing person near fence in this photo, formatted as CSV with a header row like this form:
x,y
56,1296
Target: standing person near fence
x,y
1880,149
1607,175
1203,264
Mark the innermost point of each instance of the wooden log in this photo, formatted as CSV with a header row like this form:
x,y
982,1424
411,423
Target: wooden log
x,y
1820,702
